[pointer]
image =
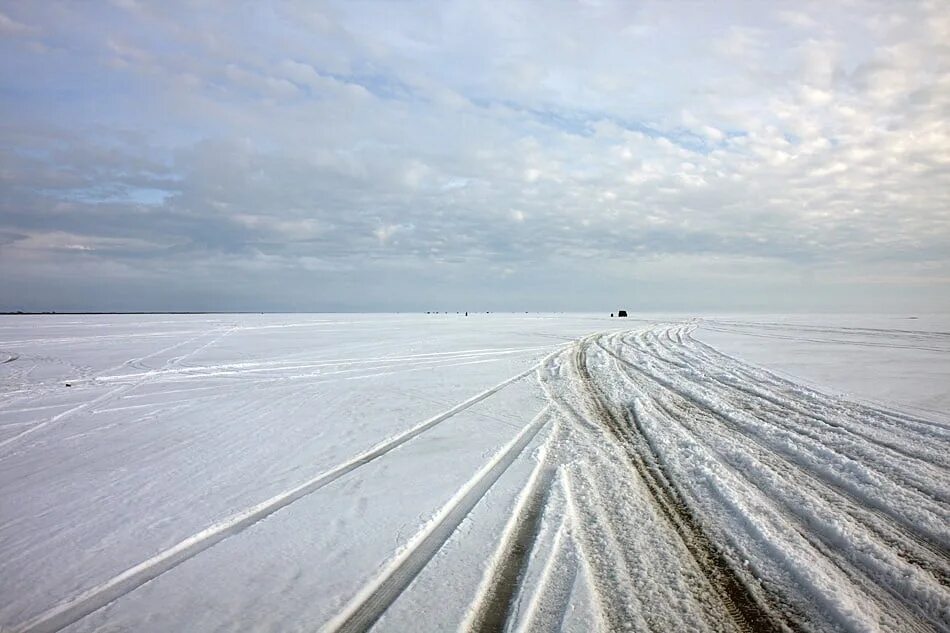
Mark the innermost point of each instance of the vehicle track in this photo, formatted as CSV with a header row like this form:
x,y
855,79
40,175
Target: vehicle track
x,y
493,607
613,582
551,601
99,596
815,526
909,486
908,602
938,340
758,375
773,399
749,610
775,429
631,418
116,392
770,419
373,600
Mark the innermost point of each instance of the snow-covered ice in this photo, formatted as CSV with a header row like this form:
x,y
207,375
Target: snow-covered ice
x,y
442,472
895,359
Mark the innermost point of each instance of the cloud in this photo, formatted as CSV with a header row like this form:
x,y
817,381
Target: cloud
x,y
358,146
385,233
798,19
10,27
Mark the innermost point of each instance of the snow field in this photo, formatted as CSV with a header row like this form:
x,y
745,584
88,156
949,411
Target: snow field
x,y
500,472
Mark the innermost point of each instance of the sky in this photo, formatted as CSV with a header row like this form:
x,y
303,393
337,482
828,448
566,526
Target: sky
x,y
473,155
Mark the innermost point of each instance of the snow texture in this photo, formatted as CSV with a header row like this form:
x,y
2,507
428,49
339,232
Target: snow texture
x,y
491,472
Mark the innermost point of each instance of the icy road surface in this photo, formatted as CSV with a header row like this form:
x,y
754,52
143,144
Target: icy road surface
x,y
495,472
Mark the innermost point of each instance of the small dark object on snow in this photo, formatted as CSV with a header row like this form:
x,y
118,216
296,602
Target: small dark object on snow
x,y
611,315
622,313
466,314
69,384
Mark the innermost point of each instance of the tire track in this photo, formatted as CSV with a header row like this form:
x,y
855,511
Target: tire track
x,y
814,525
760,375
748,329
99,596
495,601
774,407
551,603
878,567
371,602
790,452
767,379
112,393
905,544
916,549
620,608
240,369
748,609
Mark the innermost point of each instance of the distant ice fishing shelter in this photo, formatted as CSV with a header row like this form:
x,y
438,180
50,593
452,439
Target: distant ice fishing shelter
x,y
621,313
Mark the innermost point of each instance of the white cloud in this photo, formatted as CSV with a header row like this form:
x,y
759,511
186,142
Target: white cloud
x,y
798,19
384,234
9,26
309,139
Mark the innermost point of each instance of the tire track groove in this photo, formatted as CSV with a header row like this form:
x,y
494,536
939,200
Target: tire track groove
x,y
748,609
97,597
370,603
493,607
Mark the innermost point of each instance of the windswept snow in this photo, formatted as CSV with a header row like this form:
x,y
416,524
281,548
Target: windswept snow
x,y
894,360
495,472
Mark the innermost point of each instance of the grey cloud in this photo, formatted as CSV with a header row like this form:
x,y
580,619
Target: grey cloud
x,y
465,148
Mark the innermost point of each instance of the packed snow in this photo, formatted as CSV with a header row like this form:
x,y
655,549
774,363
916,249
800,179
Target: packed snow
x,y
490,472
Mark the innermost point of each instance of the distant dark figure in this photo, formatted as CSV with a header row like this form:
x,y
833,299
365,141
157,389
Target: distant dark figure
x,y
466,314
611,315
622,313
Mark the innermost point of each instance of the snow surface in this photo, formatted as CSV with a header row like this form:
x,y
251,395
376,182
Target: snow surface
x,y
896,360
442,472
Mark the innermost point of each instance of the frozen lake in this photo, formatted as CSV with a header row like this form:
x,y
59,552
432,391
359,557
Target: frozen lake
x,y
439,472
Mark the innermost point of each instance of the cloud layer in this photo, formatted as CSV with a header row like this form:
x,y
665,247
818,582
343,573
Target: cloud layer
x,y
465,155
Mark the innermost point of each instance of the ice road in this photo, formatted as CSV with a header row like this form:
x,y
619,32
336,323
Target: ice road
x,y
483,473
